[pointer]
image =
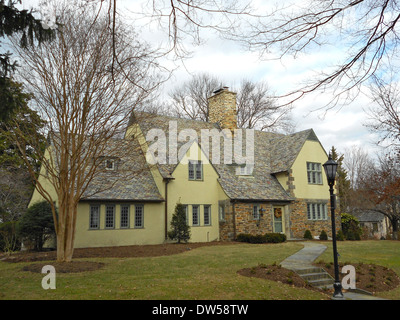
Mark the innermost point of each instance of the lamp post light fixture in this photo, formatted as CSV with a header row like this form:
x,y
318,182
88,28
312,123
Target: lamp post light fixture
x,y
330,169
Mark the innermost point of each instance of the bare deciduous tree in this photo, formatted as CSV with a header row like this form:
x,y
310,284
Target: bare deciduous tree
x,y
256,108
356,159
367,31
384,117
85,84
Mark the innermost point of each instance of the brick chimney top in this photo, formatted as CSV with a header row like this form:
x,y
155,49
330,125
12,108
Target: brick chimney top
x,y
222,108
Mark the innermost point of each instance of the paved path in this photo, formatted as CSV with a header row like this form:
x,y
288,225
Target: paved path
x,y
304,259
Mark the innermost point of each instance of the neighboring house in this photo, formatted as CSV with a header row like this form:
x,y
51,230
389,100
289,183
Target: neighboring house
x,y
374,224
283,190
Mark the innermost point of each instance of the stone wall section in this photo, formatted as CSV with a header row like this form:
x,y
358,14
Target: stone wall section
x,y
222,109
299,222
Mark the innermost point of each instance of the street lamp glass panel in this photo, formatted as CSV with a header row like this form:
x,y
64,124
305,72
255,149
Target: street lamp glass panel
x,y
330,169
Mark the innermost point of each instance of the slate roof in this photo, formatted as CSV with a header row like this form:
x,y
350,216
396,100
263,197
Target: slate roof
x,y
368,216
273,153
132,181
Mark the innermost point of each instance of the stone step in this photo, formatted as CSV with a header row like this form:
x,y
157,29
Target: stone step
x,y
321,282
309,270
316,276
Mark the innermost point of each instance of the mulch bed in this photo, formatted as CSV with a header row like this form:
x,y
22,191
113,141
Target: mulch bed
x,y
369,277
275,272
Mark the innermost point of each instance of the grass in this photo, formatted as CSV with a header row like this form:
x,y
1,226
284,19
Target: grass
x,y
205,273
385,253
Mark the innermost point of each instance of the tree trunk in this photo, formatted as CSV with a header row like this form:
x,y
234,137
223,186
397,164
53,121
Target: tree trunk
x,y
395,228
66,230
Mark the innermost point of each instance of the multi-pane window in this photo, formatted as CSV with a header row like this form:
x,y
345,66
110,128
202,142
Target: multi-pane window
x,y
314,173
124,216
139,216
207,215
195,215
246,170
110,164
256,212
94,219
317,211
221,209
195,170
110,216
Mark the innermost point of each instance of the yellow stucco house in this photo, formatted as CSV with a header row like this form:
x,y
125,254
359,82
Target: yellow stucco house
x,y
230,180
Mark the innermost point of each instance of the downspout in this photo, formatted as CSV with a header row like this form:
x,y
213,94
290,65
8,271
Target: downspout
x,y
166,180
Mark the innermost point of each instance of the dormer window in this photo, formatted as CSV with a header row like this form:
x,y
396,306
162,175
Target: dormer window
x,y
110,164
246,170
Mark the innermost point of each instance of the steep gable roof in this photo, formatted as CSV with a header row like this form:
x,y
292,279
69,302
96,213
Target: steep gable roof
x,y
131,181
272,153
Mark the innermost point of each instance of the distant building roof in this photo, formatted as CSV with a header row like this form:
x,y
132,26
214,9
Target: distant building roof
x,y
368,216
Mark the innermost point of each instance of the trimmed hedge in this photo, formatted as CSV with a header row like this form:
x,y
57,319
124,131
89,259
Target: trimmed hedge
x,y
266,238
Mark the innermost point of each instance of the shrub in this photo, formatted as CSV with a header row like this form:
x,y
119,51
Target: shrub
x,y
36,226
307,235
179,228
267,238
350,227
323,235
275,237
340,235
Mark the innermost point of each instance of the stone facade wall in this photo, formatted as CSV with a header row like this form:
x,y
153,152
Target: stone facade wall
x,y
299,222
295,220
222,109
245,222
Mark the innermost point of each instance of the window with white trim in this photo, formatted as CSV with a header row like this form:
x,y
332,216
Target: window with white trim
x,y
256,212
246,170
139,216
124,216
109,164
110,216
195,215
314,173
207,215
94,217
317,211
195,170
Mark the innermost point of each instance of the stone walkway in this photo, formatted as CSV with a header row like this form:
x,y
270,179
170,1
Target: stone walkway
x,y
303,260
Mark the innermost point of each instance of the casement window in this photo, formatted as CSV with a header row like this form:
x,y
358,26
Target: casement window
x,y
124,216
94,217
317,211
139,213
195,170
246,170
109,164
110,217
221,209
314,173
195,215
256,212
207,215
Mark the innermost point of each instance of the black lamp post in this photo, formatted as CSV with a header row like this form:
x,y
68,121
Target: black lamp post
x,y
330,169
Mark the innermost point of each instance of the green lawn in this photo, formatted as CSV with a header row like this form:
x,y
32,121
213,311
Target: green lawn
x,y
204,273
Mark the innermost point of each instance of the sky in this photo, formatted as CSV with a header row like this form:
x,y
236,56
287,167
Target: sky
x,y
341,127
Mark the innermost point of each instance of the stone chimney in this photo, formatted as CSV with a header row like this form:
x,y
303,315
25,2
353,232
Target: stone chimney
x,y
222,108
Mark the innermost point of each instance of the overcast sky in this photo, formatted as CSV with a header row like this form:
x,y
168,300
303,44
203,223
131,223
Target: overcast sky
x,y
341,127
